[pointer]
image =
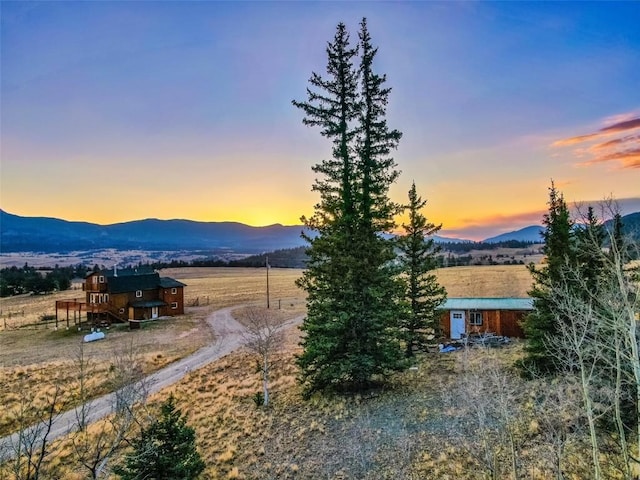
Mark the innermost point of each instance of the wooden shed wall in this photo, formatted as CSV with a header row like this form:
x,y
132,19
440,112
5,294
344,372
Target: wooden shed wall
x,y
500,322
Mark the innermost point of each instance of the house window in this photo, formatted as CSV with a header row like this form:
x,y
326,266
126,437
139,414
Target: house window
x,y
138,293
121,311
94,279
92,298
106,297
174,305
475,318
101,279
174,291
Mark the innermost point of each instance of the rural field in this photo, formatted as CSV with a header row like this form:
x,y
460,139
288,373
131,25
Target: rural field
x,y
403,425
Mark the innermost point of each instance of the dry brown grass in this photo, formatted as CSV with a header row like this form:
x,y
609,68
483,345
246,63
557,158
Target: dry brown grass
x,y
399,432
33,359
324,437
486,281
226,287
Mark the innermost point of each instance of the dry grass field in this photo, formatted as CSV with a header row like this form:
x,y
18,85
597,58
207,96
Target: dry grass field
x,y
486,281
237,439
34,357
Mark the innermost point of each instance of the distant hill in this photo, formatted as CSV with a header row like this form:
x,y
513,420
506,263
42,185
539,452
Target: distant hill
x,y
439,239
532,233
47,235
42,234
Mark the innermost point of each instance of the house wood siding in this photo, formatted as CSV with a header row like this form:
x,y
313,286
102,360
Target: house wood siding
x,y
501,316
501,322
171,298
115,296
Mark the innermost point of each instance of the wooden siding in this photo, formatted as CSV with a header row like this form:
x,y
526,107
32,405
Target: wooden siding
x,y
167,297
501,322
100,299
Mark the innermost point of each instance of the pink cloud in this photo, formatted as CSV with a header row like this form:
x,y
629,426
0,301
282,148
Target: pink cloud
x,y
622,126
621,150
628,158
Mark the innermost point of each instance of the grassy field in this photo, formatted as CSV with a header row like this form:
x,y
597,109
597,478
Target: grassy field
x,y
238,440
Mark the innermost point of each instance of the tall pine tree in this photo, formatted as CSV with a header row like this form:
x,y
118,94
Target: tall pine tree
x,y
352,308
560,253
423,294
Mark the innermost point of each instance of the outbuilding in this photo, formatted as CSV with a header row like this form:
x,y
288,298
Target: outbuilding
x,y
501,316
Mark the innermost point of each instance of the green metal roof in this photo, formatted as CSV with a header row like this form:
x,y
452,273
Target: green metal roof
x,y
168,282
488,304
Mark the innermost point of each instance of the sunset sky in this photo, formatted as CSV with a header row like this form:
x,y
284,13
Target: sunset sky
x,y
118,111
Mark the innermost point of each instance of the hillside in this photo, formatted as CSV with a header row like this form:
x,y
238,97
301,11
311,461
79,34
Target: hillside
x,y
48,235
532,233
21,234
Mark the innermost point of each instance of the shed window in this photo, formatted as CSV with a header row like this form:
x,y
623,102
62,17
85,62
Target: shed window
x,y
101,279
174,305
174,291
94,279
138,293
475,318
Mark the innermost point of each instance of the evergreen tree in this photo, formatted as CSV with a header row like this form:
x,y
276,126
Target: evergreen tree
x,y
560,253
165,450
589,239
423,293
352,307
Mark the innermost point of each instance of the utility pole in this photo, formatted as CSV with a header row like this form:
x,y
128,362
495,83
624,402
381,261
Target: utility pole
x,y
266,262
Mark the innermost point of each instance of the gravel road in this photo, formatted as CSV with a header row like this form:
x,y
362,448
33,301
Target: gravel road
x,y
229,337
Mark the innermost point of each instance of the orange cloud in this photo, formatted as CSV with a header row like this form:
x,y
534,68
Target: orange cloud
x,y
624,150
628,158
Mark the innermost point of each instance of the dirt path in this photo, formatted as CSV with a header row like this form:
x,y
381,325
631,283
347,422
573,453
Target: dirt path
x,y
229,337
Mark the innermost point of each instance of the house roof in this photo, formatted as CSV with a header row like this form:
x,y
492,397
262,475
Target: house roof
x,y
123,272
488,304
168,282
131,283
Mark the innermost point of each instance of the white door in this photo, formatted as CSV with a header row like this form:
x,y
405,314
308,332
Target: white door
x,y
457,323
154,312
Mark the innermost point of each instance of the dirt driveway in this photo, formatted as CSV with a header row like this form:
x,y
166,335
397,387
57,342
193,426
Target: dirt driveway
x,y
229,337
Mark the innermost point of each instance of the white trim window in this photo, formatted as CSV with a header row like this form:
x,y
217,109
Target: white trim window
x,y
174,305
174,291
138,293
101,278
475,318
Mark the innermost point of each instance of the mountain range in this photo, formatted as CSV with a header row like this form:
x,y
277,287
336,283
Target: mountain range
x,y
44,234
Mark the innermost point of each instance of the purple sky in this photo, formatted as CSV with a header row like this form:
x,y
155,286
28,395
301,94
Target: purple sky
x,y
116,111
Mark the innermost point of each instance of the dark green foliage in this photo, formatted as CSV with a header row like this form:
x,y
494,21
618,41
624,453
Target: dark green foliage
x,y
351,331
16,281
422,294
560,252
165,450
589,257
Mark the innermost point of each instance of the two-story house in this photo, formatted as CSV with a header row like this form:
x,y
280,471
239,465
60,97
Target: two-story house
x,y
132,294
